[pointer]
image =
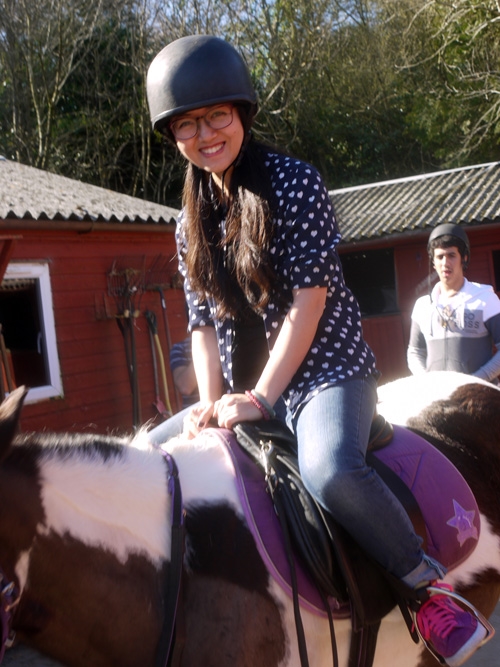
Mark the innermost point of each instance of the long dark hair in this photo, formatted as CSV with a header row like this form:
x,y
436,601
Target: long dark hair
x,y
234,269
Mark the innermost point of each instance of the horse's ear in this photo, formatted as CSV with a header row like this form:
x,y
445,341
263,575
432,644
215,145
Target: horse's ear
x,y
10,411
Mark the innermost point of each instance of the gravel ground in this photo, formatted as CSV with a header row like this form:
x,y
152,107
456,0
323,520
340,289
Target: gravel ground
x,y
486,657
25,657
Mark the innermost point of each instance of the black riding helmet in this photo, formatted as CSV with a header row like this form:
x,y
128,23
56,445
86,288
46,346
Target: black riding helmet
x,y
456,233
198,71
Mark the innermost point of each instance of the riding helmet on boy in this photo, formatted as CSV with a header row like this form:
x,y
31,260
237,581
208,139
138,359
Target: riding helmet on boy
x,y
449,235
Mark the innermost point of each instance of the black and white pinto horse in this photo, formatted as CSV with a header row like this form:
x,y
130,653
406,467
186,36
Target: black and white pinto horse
x,y
85,541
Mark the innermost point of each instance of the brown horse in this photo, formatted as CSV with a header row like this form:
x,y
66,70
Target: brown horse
x,y
85,541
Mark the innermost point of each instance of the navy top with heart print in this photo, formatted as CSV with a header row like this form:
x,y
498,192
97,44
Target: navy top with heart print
x,y
304,254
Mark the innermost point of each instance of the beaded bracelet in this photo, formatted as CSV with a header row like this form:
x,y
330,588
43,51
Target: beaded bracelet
x,y
265,403
255,401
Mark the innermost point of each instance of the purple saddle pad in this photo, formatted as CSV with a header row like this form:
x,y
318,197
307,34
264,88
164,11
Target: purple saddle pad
x,y
448,506
446,502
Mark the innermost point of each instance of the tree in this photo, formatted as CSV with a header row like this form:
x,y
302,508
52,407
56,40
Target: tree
x,y
459,108
39,43
364,89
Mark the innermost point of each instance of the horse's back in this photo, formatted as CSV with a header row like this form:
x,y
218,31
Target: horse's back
x,y
223,597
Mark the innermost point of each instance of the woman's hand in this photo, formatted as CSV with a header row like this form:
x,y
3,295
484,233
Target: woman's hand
x,y
226,412
233,408
198,418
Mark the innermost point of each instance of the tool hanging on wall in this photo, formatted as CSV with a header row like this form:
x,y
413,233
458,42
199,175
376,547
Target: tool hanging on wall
x,y
126,285
156,347
159,278
7,375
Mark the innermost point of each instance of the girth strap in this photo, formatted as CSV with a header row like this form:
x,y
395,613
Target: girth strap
x,y
276,488
9,598
301,639
168,651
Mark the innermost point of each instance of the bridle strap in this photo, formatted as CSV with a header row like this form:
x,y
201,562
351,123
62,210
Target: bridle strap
x,y
171,641
9,598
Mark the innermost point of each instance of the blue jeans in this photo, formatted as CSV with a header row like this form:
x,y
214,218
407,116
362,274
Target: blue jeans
x,y
332,431
170,427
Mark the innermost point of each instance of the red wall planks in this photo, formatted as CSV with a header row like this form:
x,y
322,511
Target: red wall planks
x,y
97,394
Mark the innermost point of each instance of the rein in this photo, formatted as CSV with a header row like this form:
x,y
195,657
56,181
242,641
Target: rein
x,y
172,637
9,599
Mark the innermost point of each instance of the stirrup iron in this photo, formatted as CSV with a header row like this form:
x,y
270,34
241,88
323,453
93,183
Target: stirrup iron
x,y
490,630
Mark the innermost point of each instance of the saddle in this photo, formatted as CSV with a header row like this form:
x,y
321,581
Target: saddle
x,y
346,580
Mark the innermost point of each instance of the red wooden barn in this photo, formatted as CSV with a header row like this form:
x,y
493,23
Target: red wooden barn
x,y
81,265
385,229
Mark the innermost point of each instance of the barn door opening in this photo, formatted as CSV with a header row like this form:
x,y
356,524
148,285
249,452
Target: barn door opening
x,y
27,319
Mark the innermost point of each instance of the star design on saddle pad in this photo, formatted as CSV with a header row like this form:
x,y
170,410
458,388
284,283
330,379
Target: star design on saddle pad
x,y
463,521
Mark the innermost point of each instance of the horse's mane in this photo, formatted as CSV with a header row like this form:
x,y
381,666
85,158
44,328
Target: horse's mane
x,y
68,445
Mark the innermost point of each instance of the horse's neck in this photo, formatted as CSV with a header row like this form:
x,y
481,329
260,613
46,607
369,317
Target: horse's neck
x,y
121,503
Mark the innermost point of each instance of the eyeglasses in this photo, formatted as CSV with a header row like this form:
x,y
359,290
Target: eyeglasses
x,y
216,118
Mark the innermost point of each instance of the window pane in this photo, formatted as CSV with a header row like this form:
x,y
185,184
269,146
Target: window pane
x,y
27,318
21,329
496,268
371,277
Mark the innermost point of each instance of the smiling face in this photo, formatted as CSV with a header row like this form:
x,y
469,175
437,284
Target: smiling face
x,y
213,150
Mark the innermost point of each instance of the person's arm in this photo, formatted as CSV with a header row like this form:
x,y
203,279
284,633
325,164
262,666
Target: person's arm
x,y
207,363
182,367
491,369
209,378
185,379
417,350
293,342
309,235
291,346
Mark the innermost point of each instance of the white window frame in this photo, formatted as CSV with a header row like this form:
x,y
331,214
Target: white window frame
x,y
40,272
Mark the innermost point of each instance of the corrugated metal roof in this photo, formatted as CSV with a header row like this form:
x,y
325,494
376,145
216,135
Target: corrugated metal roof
x,y
33,194
470,195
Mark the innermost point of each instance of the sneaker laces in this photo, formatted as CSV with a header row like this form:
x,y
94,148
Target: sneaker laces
x,y
438,615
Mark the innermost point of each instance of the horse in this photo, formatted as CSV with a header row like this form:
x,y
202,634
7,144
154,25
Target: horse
x,y
86,541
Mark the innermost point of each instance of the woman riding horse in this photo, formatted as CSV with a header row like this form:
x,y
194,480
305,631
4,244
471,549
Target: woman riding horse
x,y
272,319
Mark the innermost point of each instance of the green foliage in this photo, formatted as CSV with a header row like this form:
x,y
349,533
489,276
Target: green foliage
x,y
456,111
364,89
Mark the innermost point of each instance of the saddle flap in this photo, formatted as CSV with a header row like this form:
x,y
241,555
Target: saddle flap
x,y
268,445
